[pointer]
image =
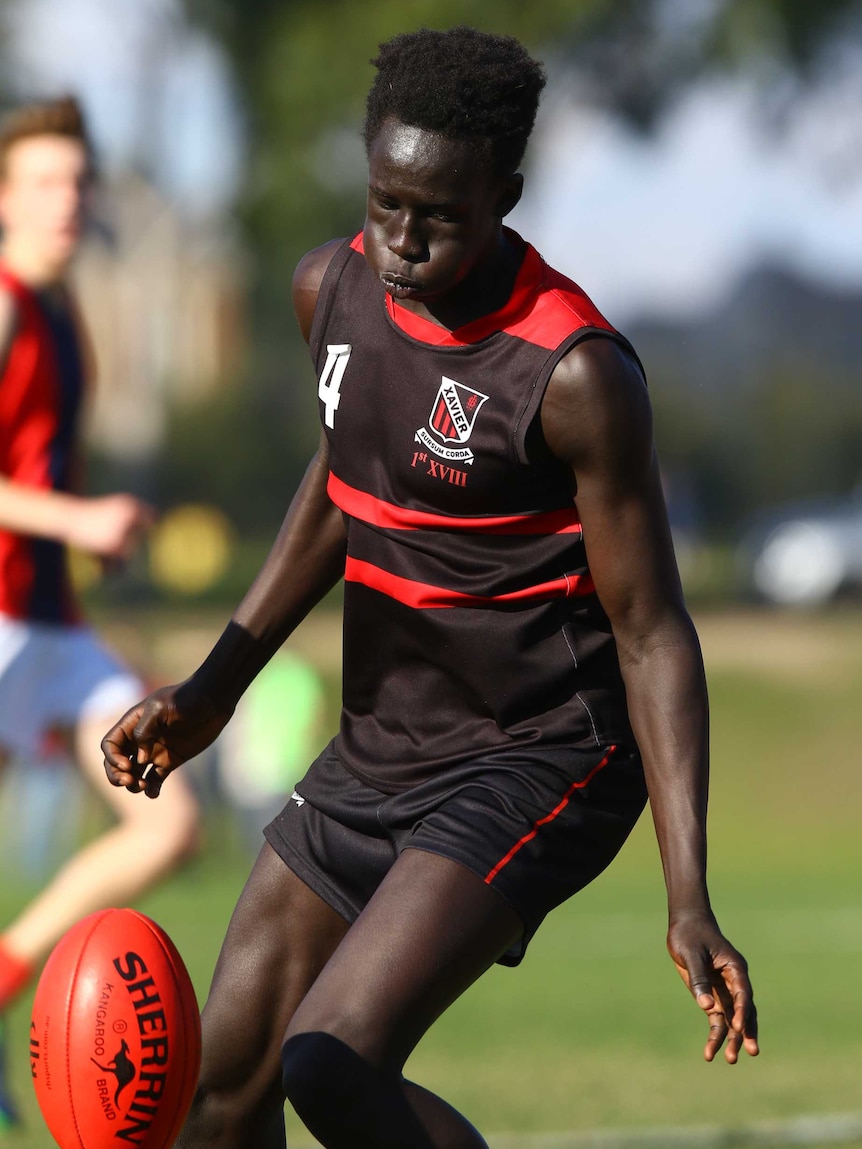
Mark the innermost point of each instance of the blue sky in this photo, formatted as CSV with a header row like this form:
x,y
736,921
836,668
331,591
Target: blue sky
x,y
661,225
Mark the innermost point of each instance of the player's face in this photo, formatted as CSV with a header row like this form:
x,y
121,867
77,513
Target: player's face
x,y
43,194
434,211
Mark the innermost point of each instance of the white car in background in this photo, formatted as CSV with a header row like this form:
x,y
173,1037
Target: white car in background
x,y
805,555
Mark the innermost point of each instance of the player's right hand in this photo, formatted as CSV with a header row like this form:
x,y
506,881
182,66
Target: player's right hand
x,y
110,527
717,977
152,739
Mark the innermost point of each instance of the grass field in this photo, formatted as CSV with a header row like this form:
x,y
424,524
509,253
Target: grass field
x,y
594,1030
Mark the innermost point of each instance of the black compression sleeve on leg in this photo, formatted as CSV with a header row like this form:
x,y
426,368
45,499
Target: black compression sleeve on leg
x,y
345,1102
348,1104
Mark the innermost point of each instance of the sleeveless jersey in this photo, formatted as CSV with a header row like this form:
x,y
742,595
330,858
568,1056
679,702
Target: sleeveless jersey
x,y
471,624
41,388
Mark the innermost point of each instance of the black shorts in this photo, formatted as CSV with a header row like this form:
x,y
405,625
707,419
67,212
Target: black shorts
x,y
537,825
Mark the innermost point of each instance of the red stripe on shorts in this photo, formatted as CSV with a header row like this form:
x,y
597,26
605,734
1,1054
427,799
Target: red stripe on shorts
x,y
558,809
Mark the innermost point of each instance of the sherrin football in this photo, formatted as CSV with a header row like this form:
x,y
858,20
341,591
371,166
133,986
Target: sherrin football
x,y
115,1038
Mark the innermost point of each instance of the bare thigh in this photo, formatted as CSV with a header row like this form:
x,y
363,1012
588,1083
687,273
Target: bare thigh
x,y
431,929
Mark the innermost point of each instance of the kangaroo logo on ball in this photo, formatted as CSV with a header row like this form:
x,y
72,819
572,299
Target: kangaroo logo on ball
x,y
122,1067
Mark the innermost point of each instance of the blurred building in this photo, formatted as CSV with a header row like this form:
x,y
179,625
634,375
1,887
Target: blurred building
x,y
164,300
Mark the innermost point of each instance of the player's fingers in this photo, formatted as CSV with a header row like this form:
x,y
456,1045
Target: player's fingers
x,y
119,775
146,733
745,1015
723,996
118,744
735,1000
717,1034
697,975
731,1049
136,781
154,780
737,997
119,749
744,1011
124,771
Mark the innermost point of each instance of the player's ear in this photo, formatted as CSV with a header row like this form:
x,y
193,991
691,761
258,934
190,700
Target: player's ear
x,y
513,187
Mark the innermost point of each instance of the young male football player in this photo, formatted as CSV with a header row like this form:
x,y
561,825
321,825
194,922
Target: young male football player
x,y
55,676
519,667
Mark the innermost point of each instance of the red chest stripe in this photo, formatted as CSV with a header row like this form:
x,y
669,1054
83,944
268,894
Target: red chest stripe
x,y
389,516
423,596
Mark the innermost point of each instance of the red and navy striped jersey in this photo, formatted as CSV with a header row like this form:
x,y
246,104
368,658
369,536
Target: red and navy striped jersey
x,y
471,624
41,388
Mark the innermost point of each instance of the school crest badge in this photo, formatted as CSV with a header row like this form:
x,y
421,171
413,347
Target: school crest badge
x,y
452,418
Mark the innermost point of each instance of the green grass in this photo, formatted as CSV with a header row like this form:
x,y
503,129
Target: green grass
x,y
595,1030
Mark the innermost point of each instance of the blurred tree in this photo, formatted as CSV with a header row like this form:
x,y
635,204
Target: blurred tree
x,y
804,435
229,450
792,436
636,56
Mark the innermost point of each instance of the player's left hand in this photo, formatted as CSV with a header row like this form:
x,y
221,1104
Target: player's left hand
x,y
717,976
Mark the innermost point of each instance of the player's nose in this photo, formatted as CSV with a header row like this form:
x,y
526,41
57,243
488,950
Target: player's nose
x,y
406,240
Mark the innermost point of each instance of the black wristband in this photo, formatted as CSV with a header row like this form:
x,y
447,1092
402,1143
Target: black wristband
x,y
232,664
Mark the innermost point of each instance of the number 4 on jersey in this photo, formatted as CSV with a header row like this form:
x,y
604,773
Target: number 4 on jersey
x,y
329,388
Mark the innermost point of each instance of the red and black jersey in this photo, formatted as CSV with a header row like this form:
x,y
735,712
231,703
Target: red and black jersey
x,y
41,388
471,624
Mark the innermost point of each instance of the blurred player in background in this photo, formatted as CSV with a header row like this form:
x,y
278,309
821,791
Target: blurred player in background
x,y
519,670
55,676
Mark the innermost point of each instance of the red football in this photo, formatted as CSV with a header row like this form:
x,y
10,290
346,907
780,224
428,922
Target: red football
x,y
115,1039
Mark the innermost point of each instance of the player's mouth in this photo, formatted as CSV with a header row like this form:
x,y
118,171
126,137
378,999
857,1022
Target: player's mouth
x,y
400,287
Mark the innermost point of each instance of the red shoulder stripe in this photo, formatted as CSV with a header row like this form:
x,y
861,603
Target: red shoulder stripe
x,y
389,516
424,596
560,309
544,309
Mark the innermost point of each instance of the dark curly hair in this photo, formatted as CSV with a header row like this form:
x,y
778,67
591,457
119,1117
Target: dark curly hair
x,y
463,83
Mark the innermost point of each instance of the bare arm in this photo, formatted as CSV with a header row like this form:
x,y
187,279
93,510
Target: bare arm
x,y
306,560
596,416
110,526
